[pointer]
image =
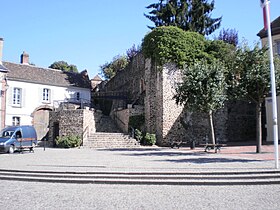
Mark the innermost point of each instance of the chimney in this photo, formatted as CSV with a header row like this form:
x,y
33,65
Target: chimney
x,y
1,49
24,58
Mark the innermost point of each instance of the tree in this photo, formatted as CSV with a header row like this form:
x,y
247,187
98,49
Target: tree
x,y
131,52
222,51
253,81
203,88
229,36
64,66
109,70
189,15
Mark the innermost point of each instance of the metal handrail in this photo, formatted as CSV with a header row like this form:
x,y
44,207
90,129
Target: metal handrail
x,y
82,102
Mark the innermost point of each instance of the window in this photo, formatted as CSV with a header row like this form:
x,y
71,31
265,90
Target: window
x,y
18,135
16,121
278,47
78,96
46,95
17,92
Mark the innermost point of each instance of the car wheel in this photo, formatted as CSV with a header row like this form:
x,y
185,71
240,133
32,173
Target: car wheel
x,y
11,149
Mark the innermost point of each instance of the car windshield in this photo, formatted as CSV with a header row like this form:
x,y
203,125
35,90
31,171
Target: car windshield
x,y
7,134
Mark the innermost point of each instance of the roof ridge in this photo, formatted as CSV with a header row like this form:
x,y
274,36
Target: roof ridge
x,y
23,72
38,67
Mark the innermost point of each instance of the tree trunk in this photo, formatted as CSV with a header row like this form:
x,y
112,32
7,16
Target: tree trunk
x,y
259,127
212,127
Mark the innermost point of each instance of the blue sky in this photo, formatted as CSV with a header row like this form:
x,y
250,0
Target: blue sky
x,y
89,33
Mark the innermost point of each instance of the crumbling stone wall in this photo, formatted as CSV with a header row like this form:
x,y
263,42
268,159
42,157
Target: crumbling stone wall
x,y
154,88
129,81
80,122
70,122
164,117
162,114
121,116
152,108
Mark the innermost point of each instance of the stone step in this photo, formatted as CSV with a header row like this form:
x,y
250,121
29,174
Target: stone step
x,y
112,145
110,140
116,141
143,178
107,134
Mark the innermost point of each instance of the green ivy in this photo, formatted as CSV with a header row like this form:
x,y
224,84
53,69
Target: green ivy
x,y
136,121
172,44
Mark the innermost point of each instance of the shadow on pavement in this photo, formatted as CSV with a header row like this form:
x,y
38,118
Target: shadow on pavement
x,y
131,149
162,154
212,160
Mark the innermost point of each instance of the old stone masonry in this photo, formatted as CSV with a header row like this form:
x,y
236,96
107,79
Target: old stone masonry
x,y
144,89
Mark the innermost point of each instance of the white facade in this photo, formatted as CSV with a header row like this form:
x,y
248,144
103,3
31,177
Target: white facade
x,y
23,98
269,118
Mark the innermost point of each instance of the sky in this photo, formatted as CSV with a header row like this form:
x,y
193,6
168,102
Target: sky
x,y
89,33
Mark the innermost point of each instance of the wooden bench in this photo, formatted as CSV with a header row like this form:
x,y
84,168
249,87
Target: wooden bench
x,y
216,147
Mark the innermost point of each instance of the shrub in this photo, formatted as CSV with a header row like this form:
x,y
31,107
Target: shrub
x,y
150,139
68,141
138,135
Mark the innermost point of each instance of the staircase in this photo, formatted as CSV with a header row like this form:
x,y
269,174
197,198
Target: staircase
x,y
109,136
110,140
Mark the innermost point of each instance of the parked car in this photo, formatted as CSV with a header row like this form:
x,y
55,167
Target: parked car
x,y
18,138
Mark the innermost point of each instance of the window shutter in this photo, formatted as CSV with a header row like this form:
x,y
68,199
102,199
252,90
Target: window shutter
x,y
23,97
50,95
10,96
40,95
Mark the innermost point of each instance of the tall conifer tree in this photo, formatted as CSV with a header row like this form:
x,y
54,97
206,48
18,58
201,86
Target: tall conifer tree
x,y
189,15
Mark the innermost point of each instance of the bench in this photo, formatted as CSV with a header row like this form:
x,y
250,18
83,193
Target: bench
x,y
179,144
216,147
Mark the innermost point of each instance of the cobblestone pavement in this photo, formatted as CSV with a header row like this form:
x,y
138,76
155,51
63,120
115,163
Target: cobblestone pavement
x,y
22,195
148,158
34,195
250,152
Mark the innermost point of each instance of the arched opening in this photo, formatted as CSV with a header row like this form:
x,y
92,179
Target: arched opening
x,y
41,121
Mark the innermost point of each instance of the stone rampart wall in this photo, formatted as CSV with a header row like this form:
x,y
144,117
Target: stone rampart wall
x,y
171,112
121,117
156,88
151,99
129,80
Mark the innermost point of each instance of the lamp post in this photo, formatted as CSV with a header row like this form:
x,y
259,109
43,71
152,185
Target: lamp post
x,y
265,6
